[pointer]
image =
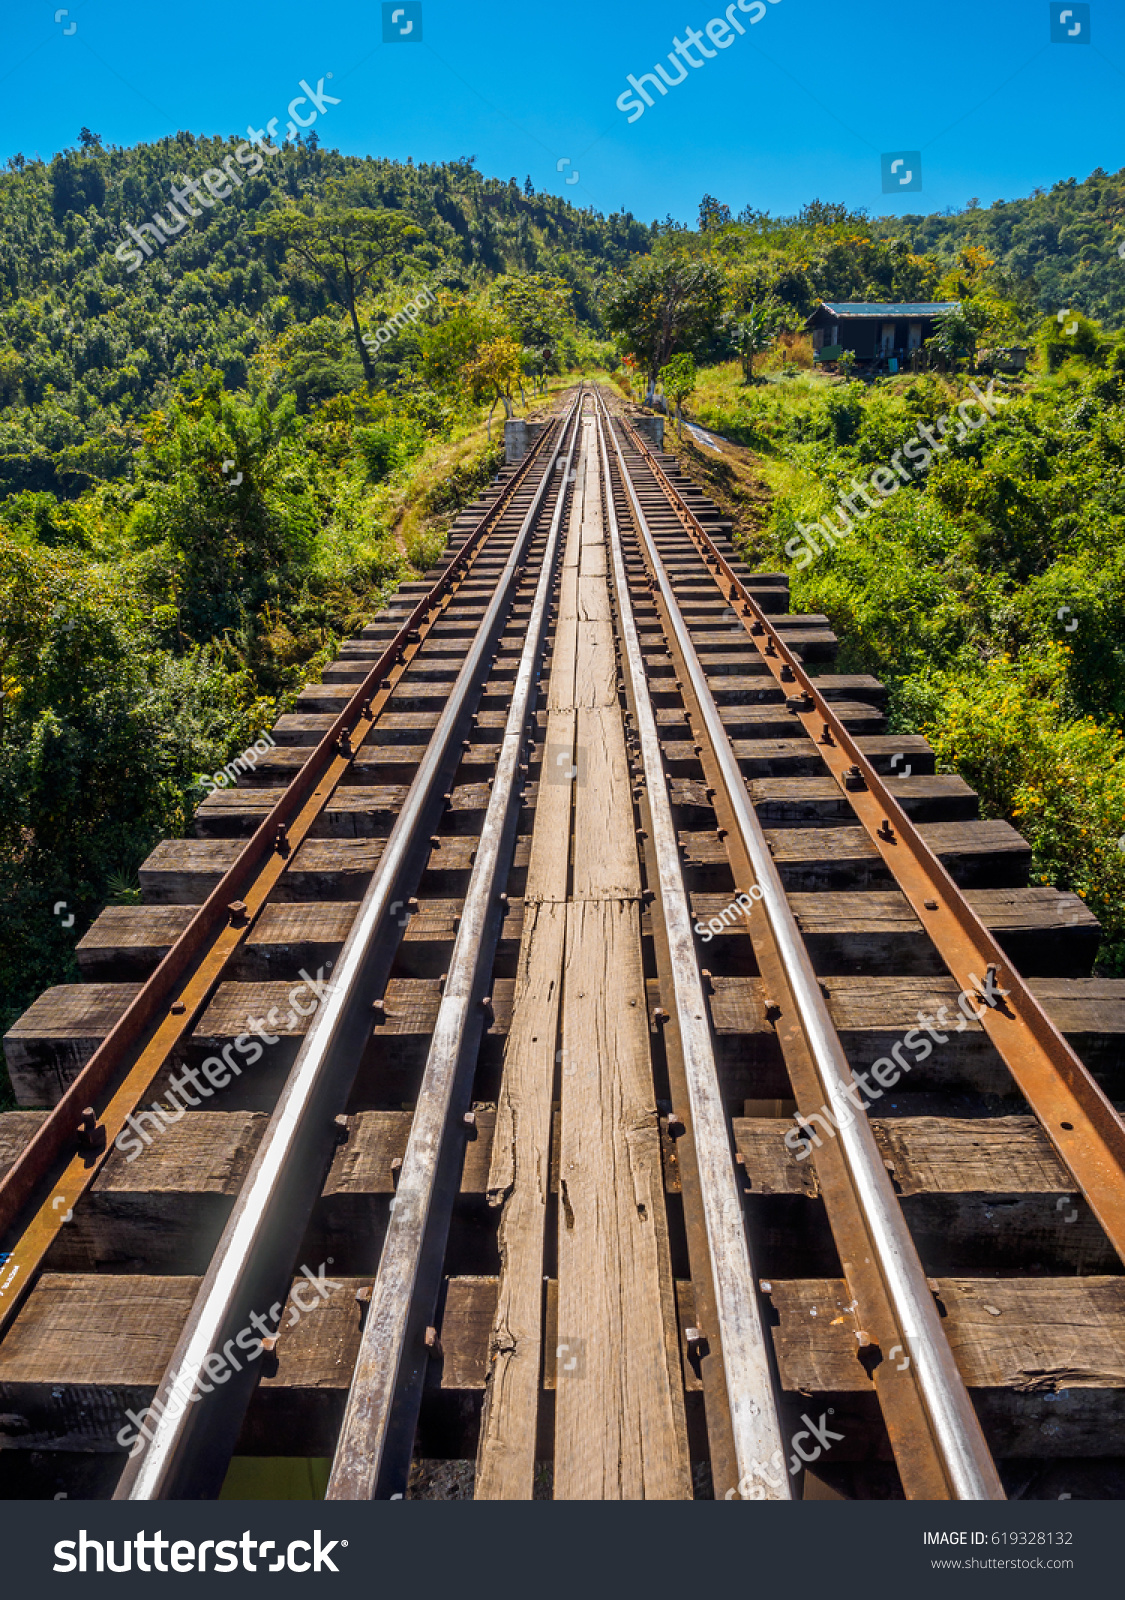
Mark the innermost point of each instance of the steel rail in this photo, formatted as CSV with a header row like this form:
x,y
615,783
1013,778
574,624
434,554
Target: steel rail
x,y
756,1426
1077,1116
189,1448
58,1164
373,1450
957,1435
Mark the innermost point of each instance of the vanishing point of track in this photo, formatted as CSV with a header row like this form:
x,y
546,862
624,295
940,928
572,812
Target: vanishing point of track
x,y
691,1098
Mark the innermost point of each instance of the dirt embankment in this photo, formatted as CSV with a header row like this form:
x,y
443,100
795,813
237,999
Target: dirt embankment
x,y
729,474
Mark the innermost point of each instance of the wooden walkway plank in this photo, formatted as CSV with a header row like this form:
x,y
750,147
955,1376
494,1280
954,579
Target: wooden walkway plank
x,y
620,1431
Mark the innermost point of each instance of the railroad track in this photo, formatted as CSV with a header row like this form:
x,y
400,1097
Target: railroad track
x,y
608,1062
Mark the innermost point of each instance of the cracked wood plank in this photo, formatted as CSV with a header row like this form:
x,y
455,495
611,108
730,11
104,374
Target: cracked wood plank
x,y
620,1432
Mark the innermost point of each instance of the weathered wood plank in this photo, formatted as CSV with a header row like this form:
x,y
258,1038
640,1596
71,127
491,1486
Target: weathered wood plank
x,y
986,1193
1044,1364
129,941
521,1159
772,722
815,801
375,764
942,797
363,1163
798,756
185,871
83,1351
620,1430
984,855
354,811
57,1034
1044,931
17,1129
351,813
873,1014
161,1207
749,689
1041,1335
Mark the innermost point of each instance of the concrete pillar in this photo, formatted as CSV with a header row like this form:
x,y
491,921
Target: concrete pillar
x,y
519,436
652,428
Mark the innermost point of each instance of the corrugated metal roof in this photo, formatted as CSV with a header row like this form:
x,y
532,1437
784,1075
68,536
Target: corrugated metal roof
x,y
905,308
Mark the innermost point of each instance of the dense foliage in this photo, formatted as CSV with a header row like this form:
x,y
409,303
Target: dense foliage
x,y
989,593
1067,240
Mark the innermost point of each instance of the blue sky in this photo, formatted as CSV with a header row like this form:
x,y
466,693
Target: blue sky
x,y
802,105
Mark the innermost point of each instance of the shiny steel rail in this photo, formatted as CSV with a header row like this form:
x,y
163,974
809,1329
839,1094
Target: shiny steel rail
x,y
188,1451
958,1458
739,1334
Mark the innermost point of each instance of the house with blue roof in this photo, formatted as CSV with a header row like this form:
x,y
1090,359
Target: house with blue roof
x,y
882,334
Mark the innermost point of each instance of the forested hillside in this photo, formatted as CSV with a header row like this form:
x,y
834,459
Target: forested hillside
x,y
89,347
1054,249
1067,239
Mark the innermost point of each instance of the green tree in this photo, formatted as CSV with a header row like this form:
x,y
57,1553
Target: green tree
x,y
493,372
350,251
225,488
712,214
679,378
752,334
665,305
957,332
452,345
537,307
